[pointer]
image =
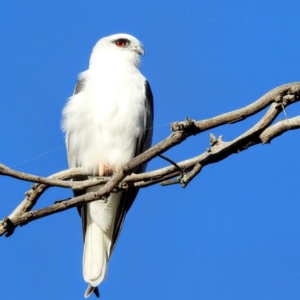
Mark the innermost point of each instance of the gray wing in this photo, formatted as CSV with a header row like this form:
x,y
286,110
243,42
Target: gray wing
x,y
142,145
73,163
72,156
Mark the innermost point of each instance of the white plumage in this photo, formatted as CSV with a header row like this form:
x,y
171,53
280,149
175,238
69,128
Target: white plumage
x,y
107,122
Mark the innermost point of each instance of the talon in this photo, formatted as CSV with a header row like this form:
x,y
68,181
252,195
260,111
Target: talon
x,y
105,170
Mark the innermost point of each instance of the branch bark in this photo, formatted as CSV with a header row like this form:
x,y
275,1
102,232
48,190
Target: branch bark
x,y
262,132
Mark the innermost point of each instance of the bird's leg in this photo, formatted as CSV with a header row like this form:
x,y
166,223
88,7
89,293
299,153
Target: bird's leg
x,y
105,170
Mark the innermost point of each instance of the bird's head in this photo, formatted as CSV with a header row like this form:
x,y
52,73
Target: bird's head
x,y
121,45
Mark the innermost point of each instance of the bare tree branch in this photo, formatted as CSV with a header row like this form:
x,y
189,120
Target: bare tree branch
x,y
261,132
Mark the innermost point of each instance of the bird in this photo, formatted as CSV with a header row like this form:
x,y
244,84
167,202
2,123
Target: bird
x,y
107,121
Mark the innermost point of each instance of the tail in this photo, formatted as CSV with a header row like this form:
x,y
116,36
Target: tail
x,y
100,217
91,289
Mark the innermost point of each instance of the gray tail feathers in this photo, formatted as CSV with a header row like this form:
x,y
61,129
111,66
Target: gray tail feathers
x,y
91,289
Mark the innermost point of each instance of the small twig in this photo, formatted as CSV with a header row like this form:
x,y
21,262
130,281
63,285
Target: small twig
x,y
172,162
170,182
182,174
284,111
188,178
33,195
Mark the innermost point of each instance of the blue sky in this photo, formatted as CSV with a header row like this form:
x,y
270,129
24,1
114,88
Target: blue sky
x,y
234,232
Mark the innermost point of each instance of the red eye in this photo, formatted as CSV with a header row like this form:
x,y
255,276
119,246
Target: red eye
x,y
121,43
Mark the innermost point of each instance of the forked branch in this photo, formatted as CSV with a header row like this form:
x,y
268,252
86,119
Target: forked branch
x,y
262,132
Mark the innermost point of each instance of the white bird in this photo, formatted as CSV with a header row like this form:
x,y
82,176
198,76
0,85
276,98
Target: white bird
x,y
107,122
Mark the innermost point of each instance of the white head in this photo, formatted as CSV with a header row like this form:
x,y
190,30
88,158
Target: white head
x,y
118,46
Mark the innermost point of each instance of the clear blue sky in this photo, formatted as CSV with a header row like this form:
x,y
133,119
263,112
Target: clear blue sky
x,y
234,233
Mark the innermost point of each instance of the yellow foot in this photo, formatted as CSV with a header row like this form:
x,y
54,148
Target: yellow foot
x,y
105,170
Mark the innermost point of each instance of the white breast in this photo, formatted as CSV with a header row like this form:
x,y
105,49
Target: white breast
x,y
104,121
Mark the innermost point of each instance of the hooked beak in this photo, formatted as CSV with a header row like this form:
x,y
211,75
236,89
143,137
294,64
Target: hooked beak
x,y
139,50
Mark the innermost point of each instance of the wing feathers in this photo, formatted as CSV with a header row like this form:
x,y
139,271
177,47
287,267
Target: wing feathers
x,y
142,144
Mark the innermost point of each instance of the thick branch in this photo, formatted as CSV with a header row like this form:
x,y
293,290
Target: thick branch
x,y
279,128
261,132
275,95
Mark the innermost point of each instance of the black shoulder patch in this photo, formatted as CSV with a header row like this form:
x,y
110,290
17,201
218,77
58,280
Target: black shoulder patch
x,y
149,95
79,86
